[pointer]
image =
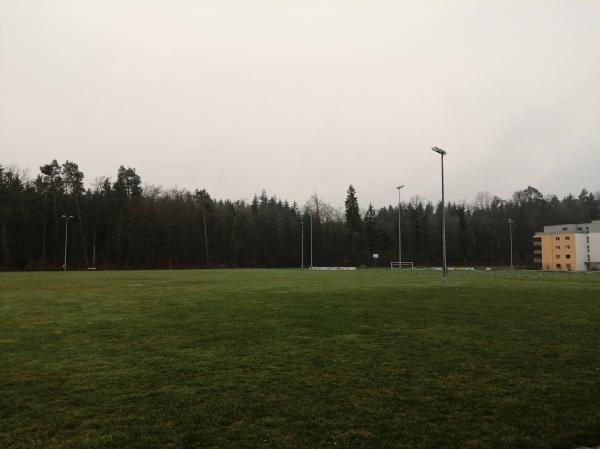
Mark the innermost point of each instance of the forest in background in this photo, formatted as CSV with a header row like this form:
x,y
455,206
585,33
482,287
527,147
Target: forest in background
x,y
119,223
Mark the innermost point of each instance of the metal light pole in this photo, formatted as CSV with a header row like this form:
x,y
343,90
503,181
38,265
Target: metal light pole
x,y
67,218
302,244
399,228
311,241
510,222
442,153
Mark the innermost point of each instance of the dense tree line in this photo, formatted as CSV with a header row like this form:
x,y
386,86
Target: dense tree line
x,y
120,224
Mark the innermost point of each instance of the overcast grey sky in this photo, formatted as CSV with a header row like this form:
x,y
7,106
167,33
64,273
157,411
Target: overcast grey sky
x,y
302,96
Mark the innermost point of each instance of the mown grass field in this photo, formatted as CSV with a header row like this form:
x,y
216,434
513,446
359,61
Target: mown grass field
x,y
298,359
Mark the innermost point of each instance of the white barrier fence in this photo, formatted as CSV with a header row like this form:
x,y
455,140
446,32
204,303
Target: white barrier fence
x,y
334,268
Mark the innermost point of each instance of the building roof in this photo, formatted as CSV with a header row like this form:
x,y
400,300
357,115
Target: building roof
x,y
571,228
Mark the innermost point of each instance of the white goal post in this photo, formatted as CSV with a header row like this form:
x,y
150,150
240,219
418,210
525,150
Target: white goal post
x,y
401,265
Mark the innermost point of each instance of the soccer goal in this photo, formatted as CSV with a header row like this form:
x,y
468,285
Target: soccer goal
x,y
401,265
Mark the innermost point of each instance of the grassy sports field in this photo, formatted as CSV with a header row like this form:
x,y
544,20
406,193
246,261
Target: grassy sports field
x,y
298,359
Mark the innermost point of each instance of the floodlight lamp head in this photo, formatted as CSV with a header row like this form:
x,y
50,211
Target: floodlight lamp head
x,y
510,220
400,187
439,150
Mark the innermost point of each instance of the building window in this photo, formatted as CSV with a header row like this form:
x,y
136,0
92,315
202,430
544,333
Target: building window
x,y
557,256
567,246
587,239
557,239
558,265
558,247
567,238
568,256
569,266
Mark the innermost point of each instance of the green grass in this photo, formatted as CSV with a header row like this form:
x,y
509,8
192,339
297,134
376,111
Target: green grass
x,y
298,359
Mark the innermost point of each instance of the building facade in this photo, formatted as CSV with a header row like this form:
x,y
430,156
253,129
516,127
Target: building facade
x,y
568,247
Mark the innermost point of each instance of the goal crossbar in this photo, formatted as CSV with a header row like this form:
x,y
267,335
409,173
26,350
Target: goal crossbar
x,y
401,265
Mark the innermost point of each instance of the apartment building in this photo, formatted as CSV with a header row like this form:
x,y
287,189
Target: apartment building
x,y
568,247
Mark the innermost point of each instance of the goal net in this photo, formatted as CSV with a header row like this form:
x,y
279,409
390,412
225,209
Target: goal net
x,y
401,265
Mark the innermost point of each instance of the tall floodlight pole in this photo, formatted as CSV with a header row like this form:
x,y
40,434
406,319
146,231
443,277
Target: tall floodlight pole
x,y
302,244
442,153
67,218
510,222
399,228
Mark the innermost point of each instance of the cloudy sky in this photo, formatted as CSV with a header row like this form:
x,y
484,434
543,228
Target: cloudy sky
x,y
301,96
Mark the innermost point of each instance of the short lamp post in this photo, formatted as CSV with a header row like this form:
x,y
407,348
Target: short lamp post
x,y
311,239
302,244
399,227
510,221
67,218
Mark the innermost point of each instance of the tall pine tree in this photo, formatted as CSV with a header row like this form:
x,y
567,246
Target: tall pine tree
x,y
352,210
